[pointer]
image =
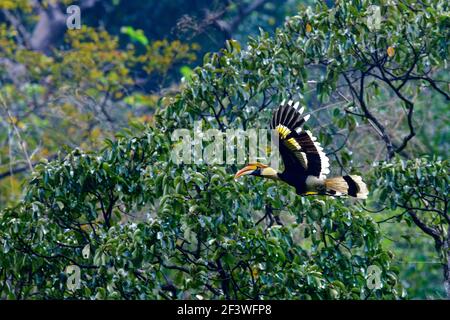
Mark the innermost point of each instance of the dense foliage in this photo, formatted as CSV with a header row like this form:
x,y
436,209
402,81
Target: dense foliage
x,y
139,226
194,233
417,192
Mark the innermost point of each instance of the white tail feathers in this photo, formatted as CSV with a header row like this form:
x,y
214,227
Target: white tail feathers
x,y
347,185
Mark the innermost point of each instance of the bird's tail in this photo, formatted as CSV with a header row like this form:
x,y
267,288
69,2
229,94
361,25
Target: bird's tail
x,y
347,185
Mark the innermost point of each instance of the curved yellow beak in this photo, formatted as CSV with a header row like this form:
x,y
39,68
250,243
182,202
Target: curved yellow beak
x,y
245,171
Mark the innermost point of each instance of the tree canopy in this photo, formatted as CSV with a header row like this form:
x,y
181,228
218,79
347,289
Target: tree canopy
x,y
138,226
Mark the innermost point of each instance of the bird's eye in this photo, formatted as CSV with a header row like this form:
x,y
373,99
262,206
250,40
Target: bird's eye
x,y
257,172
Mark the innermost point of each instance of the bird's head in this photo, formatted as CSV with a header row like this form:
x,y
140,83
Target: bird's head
x,y
257,169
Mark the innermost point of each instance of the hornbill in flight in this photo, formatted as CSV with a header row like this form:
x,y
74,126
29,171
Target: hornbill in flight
x,y
305,163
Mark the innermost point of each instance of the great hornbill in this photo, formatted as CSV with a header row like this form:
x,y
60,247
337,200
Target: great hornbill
x,y
305,163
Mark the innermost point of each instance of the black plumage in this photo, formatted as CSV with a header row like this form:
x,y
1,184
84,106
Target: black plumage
x,y
302,156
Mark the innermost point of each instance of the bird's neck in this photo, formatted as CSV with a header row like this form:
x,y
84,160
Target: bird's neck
x,y
270,173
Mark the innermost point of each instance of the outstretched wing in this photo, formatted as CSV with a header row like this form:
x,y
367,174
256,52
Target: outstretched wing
x,y
300,151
